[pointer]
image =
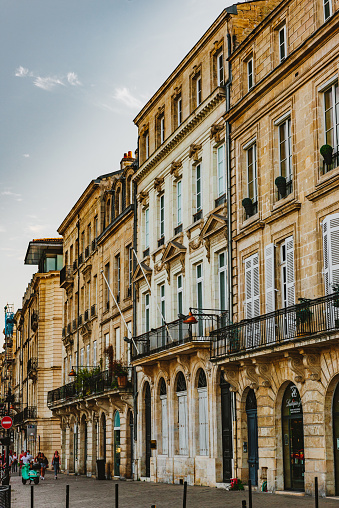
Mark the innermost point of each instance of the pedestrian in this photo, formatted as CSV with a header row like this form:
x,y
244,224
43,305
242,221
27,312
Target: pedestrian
x,y
44,465
20,458
30,457
10,459
15,463
56,463
25,459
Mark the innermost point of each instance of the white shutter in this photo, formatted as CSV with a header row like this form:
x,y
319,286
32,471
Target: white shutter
x,y
248,288
164,427
270,291
252,302
331,251
203,421
183,431
269,278
290,271
326,255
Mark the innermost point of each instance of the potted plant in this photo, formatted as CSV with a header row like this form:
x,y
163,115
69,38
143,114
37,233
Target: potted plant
x,y
248,206
335,288
236,484
280,182
303,315
326,151
119,370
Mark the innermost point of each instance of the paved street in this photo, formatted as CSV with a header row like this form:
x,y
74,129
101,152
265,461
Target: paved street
x,y
100,494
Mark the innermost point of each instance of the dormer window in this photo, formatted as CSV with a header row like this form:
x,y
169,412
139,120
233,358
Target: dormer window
x,y
220,69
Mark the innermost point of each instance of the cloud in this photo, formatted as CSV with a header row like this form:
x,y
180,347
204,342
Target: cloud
x,y
124,95
72,79
37,229
26,155
2,229
11,194
48,82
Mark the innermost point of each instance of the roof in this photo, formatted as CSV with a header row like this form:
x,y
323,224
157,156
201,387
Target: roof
x,y
36,249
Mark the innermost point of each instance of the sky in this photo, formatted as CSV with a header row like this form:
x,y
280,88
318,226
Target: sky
x,y
73,75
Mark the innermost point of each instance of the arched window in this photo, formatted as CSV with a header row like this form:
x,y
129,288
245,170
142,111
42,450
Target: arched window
x,y
117,444
182,421
118,201
203,413
164,420
129,193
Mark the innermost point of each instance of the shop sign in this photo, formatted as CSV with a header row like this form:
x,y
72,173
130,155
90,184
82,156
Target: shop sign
x,y
293,402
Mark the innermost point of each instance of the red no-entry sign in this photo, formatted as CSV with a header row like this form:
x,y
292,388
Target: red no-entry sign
x,y
6,422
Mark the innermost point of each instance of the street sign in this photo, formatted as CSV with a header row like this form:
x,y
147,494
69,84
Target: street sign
x,y
6,422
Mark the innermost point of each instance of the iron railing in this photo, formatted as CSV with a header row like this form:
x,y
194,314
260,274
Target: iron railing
x,y
93,310
86,315
161,241
197,216
95,384
220,200
177,332
334,164
80,259
80,320
63,332
305,319
29,413
66,274
146,253
32,364
68,328
178,229
289,188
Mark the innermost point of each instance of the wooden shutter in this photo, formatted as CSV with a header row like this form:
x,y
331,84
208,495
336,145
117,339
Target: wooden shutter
x,y
270,291
183,431
164,427
331,251
290,271
203,421
252,302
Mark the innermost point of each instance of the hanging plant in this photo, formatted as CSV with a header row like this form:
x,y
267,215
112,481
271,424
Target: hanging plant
x,y
248,206
303,313
280,182
326,151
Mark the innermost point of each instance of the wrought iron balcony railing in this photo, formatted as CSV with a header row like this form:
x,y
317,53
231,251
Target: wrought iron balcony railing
x,y
308,318
75,265
334,164
197,216
177,332
66,275
63,332
68,329
32,365
178,229
220,200
29,413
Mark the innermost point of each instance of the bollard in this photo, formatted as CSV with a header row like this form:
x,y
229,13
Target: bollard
x,y
67,496
316,494
249,494
243,505
32,496
116,495
185,495
10,496
153,506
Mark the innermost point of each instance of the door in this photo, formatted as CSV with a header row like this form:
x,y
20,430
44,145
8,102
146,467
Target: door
x,y
336,437
85,448
226,429
148,429
293,439
252,433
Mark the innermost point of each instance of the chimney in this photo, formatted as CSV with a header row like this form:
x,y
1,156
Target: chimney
x,y
127,159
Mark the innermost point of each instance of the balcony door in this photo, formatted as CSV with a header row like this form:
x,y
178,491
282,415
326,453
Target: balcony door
x,y
226,429
293,439
252,432
336,437
148,424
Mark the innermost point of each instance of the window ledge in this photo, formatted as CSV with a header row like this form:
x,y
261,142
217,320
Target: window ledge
x,y
327,183
250,226
286,207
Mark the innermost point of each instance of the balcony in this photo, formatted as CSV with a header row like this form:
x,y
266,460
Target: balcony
x,y
94,385
34,321
32,368
68,329
66,276
178,335
309,320
29,413
80,320
335,163
63,332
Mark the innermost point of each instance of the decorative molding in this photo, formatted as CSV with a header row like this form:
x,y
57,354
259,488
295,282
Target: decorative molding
x,y
175,169
324,187
185,364
195,244
158,267
193,152
205,357
163,367
86,272
158,181
264,371
142,198
249,229
311,362
215,133
282,210
295,362
251,374
86,330
231,375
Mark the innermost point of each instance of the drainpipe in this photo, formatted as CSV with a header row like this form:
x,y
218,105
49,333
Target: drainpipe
x,y
78,303
135,380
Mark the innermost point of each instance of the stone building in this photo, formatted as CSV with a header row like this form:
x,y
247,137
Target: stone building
x,y
182,251
279,358
95,413
37,351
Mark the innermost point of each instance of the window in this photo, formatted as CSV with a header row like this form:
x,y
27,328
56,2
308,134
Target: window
x,y
251,164
182,414
179,111
287,272
82,357
198,91
117,344
222,281
180,303
89,296
199,288
94,353
106,291
162,129
179,203
87,356
221,170
146,145
130,269
203,413
220,69
129,334
147,312
327,9
330,227
198,193
282,44
96,227
162,303
147,228
164,420
106,337
118,271
89,234
162,215
250,80
331,106
285,156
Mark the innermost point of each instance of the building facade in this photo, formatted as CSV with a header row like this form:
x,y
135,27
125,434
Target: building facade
x,y
96,414
279,357
182,261
37,351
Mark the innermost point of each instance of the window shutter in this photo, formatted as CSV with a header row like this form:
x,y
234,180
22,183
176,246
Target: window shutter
x,y
331,251
183,435
269,278
203,421
290,271
252,302
164,425
248,288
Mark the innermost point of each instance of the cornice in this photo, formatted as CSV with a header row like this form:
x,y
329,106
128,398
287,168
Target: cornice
x,y
217,96
116,223
283,210
324,188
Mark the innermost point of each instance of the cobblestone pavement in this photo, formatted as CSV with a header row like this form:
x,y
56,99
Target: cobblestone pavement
x,y
91,493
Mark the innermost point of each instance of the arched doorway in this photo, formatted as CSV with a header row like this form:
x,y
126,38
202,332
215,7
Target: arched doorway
x,y
226,428
293,439
252,436
335,413
103,437
83,446
117,444
148,424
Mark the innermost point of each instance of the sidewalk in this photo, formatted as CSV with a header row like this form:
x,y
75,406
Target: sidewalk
x,y
91,493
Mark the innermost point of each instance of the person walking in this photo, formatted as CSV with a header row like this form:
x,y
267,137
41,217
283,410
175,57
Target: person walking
x,y
44,465
56,463
20,458
15,463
